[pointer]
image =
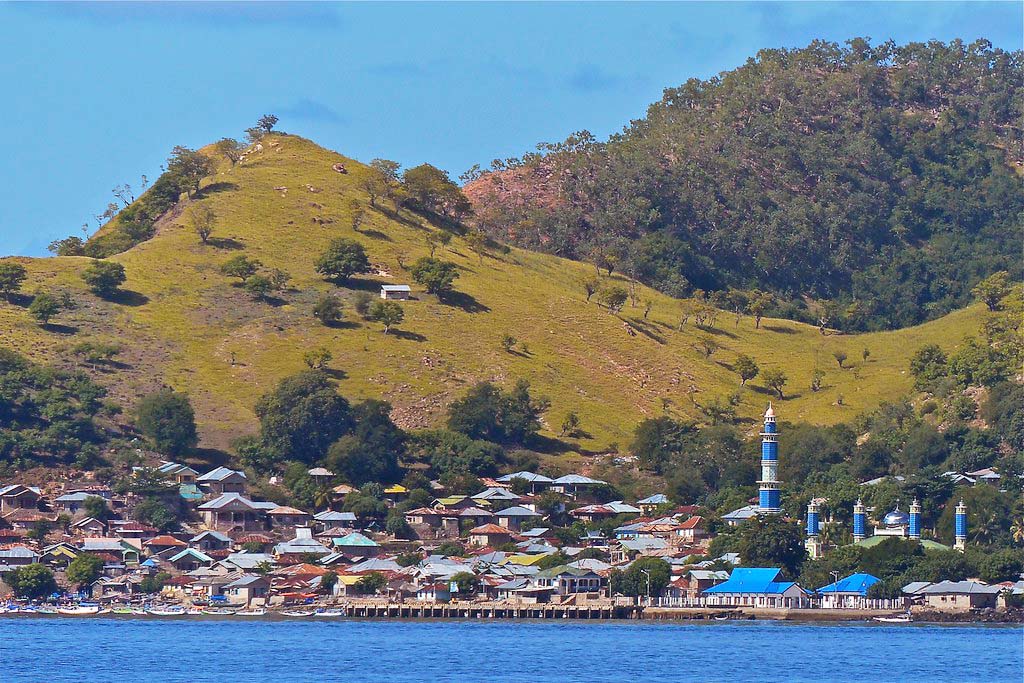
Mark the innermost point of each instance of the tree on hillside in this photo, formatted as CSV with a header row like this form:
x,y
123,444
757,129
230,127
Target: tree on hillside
x,y
317,359
707,345
993,289
431,190
927,365
69,246
303,416
590,287
370,453
96,507
435,275
83,570
758,305
775,379
356,214
44,307
328,310
613,297
656,440
167,419
104,277
343,258
240,266
154,511
476,241
231,149
258,285
771,541
186,168
201,218
12,275
267,122
840,357
486,412
387,313
746,368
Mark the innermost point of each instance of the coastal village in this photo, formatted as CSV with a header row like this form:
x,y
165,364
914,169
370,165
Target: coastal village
x,y
486,553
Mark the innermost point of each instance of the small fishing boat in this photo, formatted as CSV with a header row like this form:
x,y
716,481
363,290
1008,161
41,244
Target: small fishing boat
x,y
298,613
895,619
123,611
255,612
194,611
168,612
329,613
79,610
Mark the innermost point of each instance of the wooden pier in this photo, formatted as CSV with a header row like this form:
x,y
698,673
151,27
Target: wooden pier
x,y
468,610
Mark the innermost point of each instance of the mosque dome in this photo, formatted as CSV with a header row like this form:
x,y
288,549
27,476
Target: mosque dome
x,y
896,518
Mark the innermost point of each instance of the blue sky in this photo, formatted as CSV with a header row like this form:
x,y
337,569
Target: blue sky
x,y
95,95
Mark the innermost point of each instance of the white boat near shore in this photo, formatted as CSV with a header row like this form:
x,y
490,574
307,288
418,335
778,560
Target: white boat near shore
x,y
256,612
895,619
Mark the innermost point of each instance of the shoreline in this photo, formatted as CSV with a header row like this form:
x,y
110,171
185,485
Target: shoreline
x,y
403,613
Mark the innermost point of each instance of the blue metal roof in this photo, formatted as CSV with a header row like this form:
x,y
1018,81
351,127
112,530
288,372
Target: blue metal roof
x,y
854,583
751,580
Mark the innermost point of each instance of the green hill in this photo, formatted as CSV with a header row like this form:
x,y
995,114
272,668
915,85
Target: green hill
x,y
181,323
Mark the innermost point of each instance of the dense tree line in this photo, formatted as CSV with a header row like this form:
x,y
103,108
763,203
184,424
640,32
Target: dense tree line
x,y
878,179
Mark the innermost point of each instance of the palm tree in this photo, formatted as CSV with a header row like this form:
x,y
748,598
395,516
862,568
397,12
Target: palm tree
x,y
1017,530
986,527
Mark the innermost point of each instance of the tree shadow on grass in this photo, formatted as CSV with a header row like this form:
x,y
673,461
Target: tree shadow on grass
x,y
127,297
406,335
645,328
376,235
772,393
343,325
780,330
210,457
362,284
57,328
214,188
335,373
464,301
226,243
718,331
18,299
549,445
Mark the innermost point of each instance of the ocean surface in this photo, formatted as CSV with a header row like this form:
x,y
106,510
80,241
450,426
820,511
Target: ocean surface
x,y
97,650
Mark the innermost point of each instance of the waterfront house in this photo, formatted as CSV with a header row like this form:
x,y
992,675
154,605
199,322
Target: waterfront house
x,y
439,591
223,480
17,556
247,589
127,550
566,580
757,587
848,593
960,596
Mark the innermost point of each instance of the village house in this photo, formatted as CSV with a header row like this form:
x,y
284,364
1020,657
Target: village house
x,y
18,497
223,480
537,482
651,503
490,535
210,540
178,473
74,502
959,596
286,517
437,592
331,519
247,590
27,519
17,556
301,546
513,517
567,580
190,559
691,531
847,593
757,587
89,526
234,512
159,544
59,555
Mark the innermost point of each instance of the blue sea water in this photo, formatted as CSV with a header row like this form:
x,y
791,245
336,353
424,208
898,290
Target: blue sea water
x,y
97,650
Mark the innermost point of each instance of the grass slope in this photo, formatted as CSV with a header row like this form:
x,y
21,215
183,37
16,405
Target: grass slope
x,y
181,322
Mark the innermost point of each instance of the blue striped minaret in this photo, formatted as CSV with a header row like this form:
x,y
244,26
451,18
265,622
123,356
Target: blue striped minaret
x,y
860,521
812,543
961,526
769,499
915,520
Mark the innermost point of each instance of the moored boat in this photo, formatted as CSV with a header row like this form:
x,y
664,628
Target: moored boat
x,y
895,619
255,612
79,610
298,613
166,612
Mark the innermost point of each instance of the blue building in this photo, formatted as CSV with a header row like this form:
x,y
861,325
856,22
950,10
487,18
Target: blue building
x,y
850,592
758,587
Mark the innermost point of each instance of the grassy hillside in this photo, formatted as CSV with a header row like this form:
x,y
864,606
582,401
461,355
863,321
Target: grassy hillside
x,y
181,322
